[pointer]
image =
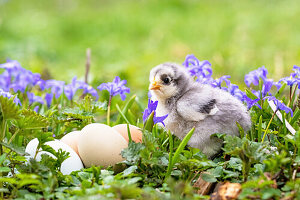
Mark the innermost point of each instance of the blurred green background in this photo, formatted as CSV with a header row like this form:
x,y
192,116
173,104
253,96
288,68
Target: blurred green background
x,y
129,37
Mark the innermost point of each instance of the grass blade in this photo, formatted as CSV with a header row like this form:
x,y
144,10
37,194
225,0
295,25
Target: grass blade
x,y
179,150
122,114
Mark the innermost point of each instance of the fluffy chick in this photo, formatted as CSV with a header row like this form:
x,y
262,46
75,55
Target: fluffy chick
x,y
190,104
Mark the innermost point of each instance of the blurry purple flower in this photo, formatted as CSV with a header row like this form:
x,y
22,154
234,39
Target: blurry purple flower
x,y
290,81
267,85
254,76
33,98
293,79
48,98
218,82
297,71
152,105
36,109
71,88
235,91
196,68
280,105
17,77
116,87
8,95
251,102
87,89
57,87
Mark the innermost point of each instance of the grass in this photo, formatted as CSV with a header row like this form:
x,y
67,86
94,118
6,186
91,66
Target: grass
x,y
128,38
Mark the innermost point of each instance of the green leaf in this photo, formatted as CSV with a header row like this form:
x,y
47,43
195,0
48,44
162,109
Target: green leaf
x,y
208,178
9,110
250,94
14,148
259,129
4,169
183,143
126,108
149,123
122,114
32,120
278,94
130,170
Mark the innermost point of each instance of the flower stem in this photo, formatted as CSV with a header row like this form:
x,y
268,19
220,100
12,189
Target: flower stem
x,y
108,110
292,95
268,126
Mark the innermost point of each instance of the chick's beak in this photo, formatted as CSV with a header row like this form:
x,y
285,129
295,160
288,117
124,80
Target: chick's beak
x,y
154,86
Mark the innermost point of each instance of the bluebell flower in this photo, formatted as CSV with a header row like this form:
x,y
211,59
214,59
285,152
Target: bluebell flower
x,y
36,109
251,102
218,82
254,76
297,71
293,79
16,77
202,70
87,89
116,87
152,105
290,81
8,95
49,98
71,88
280,105
234,91
33,98
56,87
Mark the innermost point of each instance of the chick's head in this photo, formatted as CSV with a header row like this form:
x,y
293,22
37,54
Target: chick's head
x,y
168,80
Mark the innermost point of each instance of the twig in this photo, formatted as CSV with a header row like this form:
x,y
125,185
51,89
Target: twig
x,y
87,64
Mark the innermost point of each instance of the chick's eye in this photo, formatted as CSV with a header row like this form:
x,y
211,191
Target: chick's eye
x,y
166,80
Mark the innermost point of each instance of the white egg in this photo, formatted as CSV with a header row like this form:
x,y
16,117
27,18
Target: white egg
x,y
72,163
100,144
71,139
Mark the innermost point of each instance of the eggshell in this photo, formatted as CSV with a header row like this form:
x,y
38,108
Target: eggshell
x,y
100,144
136,133
71,139
72,163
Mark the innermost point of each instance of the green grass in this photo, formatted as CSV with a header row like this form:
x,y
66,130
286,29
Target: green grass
x,y
129,37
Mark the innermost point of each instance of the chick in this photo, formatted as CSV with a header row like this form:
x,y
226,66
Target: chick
x,y
191,104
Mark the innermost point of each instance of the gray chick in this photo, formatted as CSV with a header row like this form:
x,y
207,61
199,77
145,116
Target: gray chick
x,y
190,104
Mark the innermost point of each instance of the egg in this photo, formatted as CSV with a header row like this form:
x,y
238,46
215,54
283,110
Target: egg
x,y
100,144
136,133
71,139
72,163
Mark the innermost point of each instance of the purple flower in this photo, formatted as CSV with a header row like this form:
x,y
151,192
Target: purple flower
x,y
293,79
152,105
254,76
251,102
71,88
202,70
48,98
87,89
290,81
33,98
116,87
218,82
8,95
297,71
56,87
36,109
280,105
17,78
235,91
